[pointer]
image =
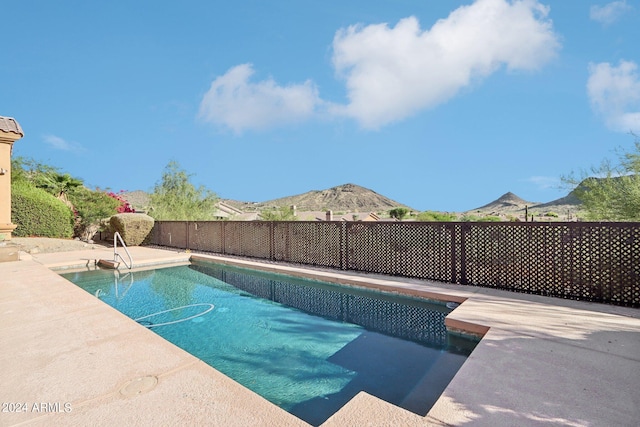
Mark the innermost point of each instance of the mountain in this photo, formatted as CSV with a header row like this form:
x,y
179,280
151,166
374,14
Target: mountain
x,y
570,200
350,198
509,206
343,198
507,201
140,200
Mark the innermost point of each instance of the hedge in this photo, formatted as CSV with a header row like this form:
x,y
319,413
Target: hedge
x,y
38,213
133,227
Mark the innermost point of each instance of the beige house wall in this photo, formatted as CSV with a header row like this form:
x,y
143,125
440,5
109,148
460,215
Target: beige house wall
x,y
10,132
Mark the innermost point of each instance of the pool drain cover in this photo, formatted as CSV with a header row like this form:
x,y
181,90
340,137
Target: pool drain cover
x,y
139,386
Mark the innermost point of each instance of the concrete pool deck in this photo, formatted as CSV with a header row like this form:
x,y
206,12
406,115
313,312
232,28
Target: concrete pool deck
x,y
69,359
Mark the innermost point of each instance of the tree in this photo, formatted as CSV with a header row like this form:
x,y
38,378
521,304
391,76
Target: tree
x,y
176,198
27,169
611,192
57,184
46,177
90,208
399,213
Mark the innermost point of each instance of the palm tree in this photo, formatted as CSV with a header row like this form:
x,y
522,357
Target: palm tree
x,y
58,184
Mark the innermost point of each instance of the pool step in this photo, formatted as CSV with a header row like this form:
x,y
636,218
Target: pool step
x,y
109,264
433,382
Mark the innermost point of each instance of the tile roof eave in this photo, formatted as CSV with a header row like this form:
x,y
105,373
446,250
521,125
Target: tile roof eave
x,y
10,125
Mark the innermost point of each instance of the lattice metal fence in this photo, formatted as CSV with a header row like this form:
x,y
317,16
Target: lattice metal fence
x,y
587,261
413,249
311,243
170,233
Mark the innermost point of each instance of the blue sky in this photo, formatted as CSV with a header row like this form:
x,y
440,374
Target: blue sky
x,y
438,105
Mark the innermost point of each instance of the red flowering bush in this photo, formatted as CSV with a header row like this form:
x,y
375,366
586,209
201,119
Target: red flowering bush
x,y
124,207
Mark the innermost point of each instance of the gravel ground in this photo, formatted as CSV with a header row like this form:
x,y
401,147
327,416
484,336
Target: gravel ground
x,y
41,245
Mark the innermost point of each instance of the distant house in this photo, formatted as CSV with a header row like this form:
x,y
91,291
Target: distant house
x,y
330,216
225,211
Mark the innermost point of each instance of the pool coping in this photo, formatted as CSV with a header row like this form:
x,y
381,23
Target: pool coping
x,y
542,360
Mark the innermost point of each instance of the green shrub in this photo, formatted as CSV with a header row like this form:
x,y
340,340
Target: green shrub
x,y
399,213
176,198
476,218
436,216
133,228
92,207
551,214
38,213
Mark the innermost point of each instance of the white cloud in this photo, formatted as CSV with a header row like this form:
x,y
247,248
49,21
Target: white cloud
x,y
609,13
391,73
614,93
235,102
61,144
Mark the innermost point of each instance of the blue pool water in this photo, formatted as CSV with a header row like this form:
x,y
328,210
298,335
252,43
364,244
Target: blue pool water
x,y
306,346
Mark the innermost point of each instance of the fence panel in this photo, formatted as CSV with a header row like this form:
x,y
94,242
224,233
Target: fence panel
x,y
587,261
513,256
170,233
411,249
244,238
207,236
311,243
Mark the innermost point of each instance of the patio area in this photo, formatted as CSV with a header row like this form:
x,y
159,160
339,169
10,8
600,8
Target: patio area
x,y
69,359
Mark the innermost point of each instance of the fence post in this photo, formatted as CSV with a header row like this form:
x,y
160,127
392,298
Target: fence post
x,y
223,236
186,243
464,229
287,242
344,250
453,240
272,243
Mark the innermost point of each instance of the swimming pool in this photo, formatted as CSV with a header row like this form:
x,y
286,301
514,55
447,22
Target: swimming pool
x,y
306,346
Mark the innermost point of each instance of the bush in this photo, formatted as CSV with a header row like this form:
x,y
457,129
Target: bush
x,y
486,218
436,216
176,198
38,213
399,213
133,228
91,208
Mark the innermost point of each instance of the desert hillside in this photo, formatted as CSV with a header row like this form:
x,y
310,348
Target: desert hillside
x,y
348,198
343,198
509,206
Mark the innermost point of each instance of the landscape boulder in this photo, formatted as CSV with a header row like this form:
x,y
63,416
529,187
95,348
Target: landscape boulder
x,y
133,227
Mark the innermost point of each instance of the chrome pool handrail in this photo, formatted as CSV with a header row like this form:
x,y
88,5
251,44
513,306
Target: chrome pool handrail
x,y
116,255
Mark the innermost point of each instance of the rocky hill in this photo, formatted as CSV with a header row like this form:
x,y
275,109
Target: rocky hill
x,y
507,201
140,200
354,198
509,206
343,198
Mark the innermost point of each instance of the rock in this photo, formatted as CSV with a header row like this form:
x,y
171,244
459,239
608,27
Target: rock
x,y
133,227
